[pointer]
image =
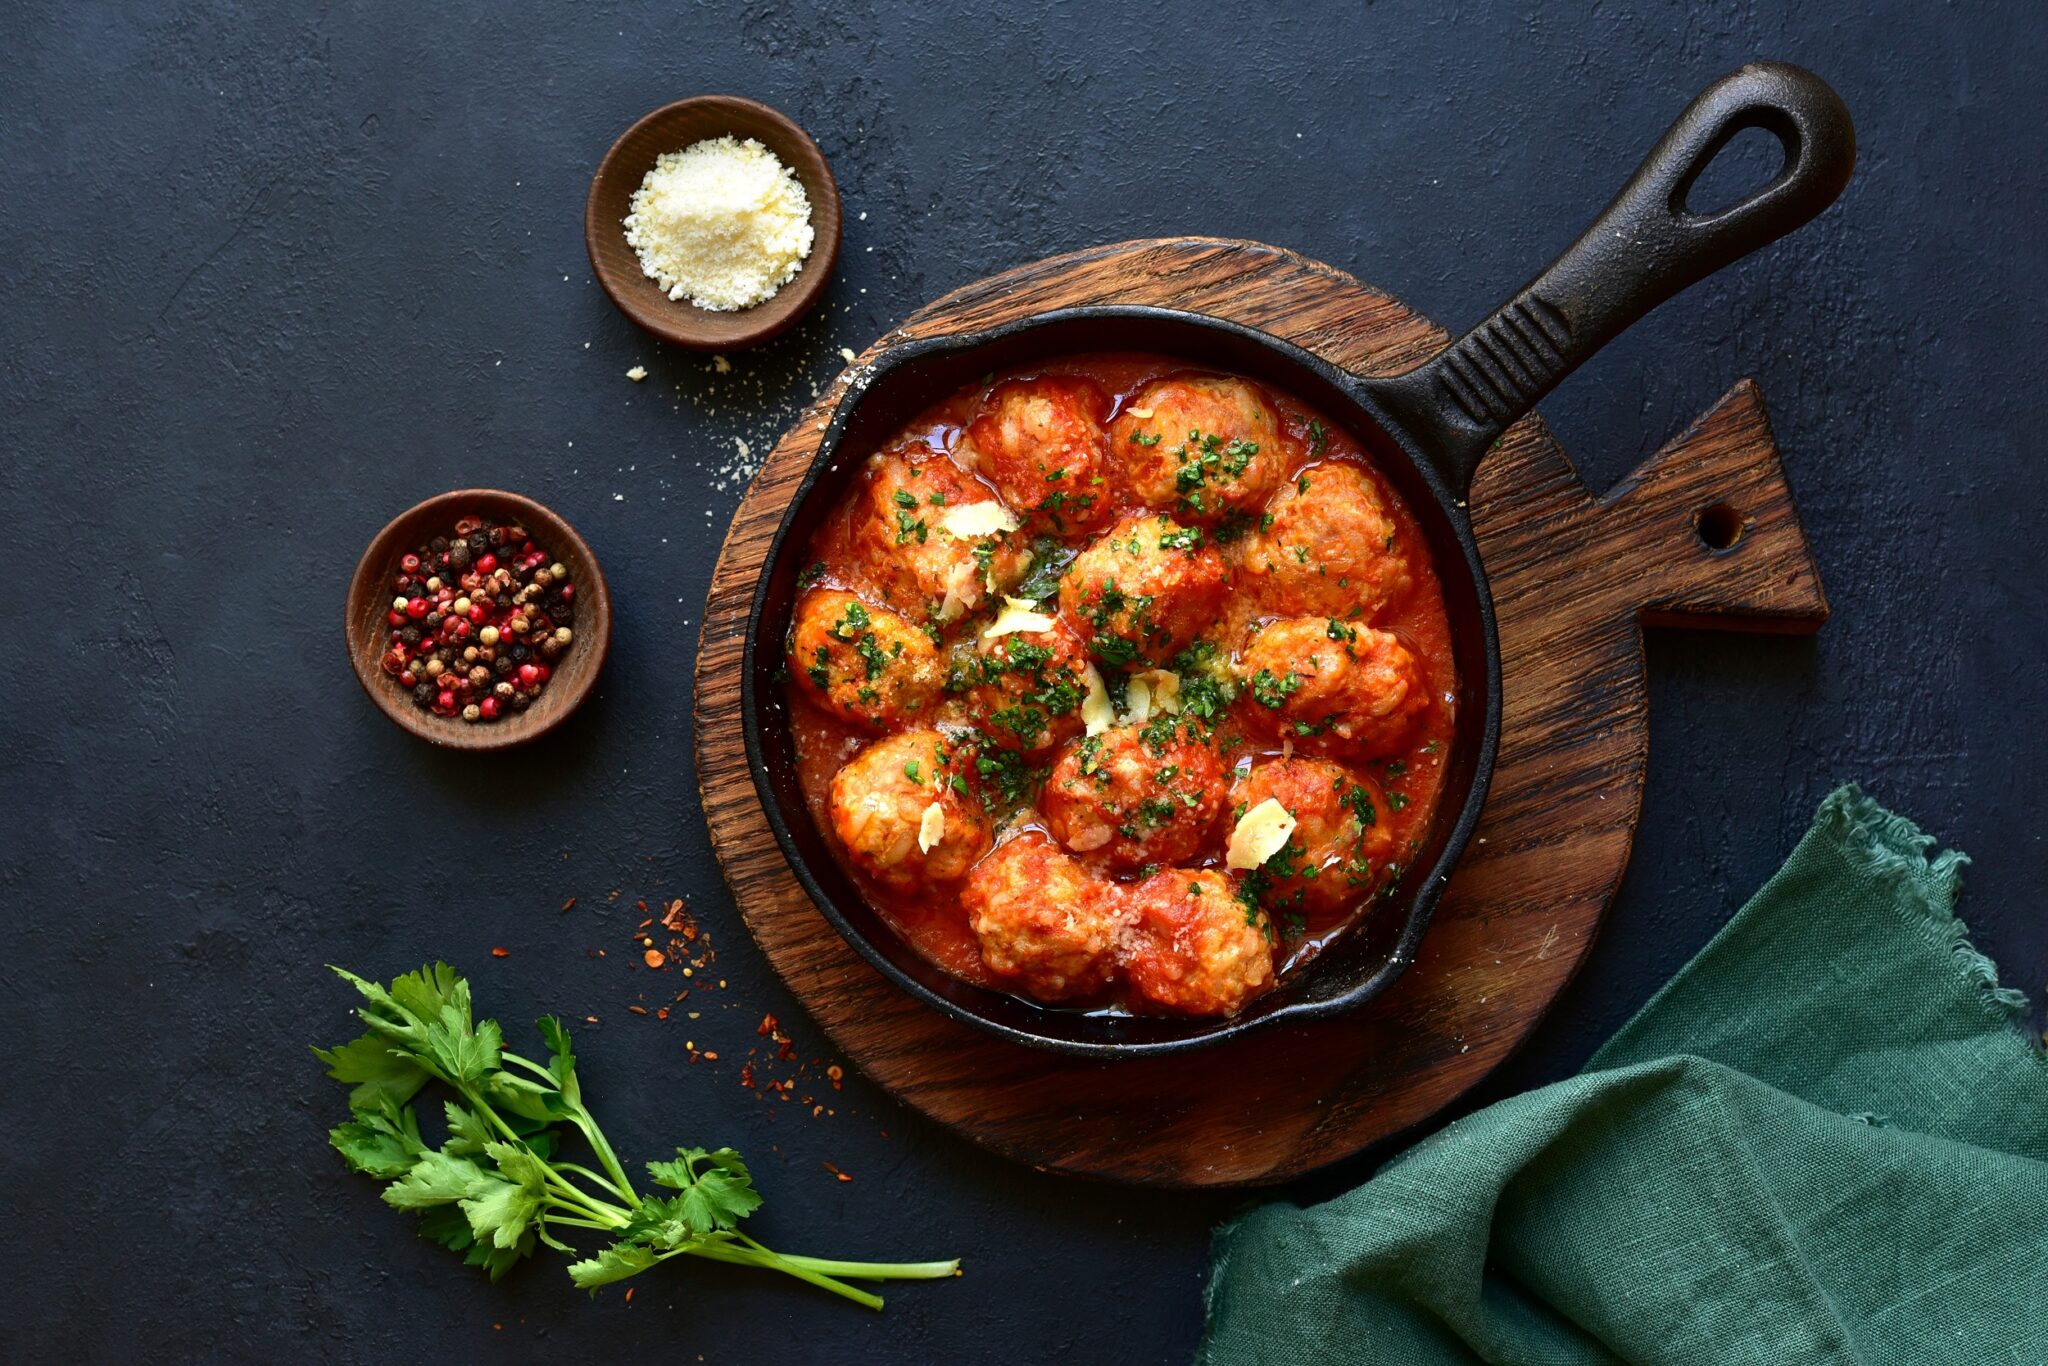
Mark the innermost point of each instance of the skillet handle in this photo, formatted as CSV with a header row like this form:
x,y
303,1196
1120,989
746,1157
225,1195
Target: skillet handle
x,y
1645,247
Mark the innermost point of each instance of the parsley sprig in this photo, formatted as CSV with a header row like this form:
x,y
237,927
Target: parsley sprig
x,y
498,1186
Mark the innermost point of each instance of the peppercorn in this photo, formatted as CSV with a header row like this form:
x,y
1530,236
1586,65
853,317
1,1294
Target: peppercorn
x,y
470,644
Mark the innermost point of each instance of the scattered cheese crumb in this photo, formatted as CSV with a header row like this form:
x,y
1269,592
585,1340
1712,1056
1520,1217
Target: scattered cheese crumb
x,y
969,520
637,373
846,354
1096,711
1018,614
722,223
1258,835
1140,413
721,365
932,828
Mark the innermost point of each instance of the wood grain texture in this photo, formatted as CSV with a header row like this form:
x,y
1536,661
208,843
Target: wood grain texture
x,y
1573,577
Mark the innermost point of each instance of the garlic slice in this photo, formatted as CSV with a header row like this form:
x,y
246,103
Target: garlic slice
x,y
1096,712
1018,614
1164,687
932,828
971,520
1259,834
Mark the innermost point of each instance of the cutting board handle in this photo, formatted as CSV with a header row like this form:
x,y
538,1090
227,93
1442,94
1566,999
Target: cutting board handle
x,y
1646,246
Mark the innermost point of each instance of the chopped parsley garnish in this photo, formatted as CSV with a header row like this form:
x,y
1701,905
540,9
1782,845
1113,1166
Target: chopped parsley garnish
x,y
810,575
1186,538
1270,692
1318,439
910,771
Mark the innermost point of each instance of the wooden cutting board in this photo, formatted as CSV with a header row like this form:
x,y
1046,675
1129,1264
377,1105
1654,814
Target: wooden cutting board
x,y
1703,534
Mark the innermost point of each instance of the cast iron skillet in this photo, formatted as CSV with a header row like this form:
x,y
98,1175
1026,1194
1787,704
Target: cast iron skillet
x,y
1426,430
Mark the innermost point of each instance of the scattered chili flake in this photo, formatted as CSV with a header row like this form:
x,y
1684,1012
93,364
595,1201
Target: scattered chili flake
x,y
501,953
766,1027
570,904
590,1019
710,1056
654,959
629,1294
638,1010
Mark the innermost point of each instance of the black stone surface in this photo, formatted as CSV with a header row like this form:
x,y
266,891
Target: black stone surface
x,y
273,272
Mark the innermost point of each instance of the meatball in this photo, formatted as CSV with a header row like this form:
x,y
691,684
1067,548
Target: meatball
x,y
1141,593
1326,547
881,802
1040,442
1025,688
902,550
1042,920
1332,688
1136,795
1195,947
1339,844
862,664
1203,447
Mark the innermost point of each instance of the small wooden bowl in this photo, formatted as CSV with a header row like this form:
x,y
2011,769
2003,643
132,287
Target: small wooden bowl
x,y
370,594
671,129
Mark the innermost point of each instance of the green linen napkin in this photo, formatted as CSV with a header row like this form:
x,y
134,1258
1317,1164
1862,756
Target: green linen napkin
x,y
1825,1140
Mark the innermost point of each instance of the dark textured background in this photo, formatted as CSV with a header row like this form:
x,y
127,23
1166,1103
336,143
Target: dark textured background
x,y
273,272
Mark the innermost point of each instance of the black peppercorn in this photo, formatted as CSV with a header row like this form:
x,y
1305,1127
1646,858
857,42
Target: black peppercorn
x,y
501,666
410,635
438,544
521,654
458,555
423,694
478,543
433,620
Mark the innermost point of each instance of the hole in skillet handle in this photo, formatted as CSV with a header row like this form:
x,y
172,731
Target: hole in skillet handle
x,y
1749,162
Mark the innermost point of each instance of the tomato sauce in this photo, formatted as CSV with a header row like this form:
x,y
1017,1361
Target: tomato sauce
x,y
1409,776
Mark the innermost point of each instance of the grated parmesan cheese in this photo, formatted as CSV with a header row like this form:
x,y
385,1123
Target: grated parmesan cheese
x,y
722,223
931,828
637,373
1259,834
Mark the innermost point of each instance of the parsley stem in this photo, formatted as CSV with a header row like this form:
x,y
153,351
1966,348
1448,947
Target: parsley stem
x,y
872,1271
590,1204
575,1222
725,1252
585,1172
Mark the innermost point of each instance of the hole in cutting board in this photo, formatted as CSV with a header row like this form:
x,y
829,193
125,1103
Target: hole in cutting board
x,y
1719,527
1746,163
